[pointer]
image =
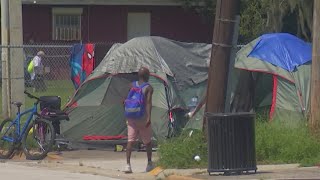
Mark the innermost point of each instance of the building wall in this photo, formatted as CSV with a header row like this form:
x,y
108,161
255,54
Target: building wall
x,y
179,24
105,24
109,23
37,23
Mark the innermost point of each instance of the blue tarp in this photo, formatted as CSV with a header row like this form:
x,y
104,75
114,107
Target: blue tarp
x,y
282,50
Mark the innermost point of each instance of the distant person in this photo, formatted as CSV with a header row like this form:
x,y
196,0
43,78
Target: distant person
x,y
36,70
138,115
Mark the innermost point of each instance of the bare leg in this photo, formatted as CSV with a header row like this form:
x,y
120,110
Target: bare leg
x,y
149,151
129,150
149,154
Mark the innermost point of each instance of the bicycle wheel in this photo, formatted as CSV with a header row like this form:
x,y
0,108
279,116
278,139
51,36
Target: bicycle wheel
x,y
7,131
38,139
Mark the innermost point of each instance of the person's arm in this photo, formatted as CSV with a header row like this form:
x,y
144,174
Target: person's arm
x,y
149,105
199,106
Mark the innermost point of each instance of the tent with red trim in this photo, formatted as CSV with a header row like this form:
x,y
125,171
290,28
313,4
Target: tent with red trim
x,y
178,72
280,65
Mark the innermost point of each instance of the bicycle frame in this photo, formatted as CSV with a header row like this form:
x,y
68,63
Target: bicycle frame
x,y
33,111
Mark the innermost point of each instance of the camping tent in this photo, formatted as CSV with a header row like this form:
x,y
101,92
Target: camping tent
x,y
176,68
280,66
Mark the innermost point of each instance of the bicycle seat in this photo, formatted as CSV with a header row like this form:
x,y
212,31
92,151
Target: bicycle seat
x,y
18,104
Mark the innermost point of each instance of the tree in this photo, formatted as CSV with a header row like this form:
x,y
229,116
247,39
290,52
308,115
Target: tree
x,y
298,12
258,17
303,11
253,20
252,17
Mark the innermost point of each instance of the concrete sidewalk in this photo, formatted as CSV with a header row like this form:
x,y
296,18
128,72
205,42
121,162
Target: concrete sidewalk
x,y
12,171
101,163
110,164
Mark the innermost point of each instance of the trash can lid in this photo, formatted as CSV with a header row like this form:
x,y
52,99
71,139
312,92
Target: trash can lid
x,y
237,114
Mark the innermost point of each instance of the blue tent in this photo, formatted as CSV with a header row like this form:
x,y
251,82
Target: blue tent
x,y
280,64
282,50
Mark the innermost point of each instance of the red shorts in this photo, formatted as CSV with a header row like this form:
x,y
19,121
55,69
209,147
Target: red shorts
x,y
137,127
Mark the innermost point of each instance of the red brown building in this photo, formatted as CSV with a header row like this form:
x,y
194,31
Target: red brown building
x,y
109,21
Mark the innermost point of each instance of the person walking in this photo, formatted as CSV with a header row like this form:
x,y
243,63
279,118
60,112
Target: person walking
x,y
36,70
138,107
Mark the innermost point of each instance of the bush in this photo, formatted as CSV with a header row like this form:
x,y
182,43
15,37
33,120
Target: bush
x,y
275,144
179,152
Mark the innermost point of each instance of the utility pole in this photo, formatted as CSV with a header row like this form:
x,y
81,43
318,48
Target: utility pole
x,y
314,122
5,57
222,45
225,20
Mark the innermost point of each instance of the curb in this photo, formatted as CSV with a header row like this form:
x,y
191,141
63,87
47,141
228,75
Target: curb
x,y
172,174
175,177
50,156
19,155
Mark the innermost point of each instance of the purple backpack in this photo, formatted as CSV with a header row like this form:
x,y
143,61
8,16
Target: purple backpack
x,y
135,102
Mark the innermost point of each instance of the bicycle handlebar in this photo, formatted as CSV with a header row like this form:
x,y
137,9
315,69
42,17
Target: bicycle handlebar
x,y
31,96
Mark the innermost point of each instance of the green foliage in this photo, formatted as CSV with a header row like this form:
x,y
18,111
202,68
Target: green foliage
x,y
179,152
253,16
258,17
275,143
253,20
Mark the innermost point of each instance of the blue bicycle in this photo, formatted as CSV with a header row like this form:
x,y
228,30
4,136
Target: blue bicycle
x,y
37,135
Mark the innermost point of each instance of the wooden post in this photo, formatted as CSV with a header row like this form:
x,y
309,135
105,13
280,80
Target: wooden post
x,y
16,59
314,121
225,20
5,58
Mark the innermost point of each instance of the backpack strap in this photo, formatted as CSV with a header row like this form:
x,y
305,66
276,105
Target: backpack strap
x,y
142,86
135,84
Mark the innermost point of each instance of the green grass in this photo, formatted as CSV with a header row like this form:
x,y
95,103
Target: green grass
x,y
62,88
275,144
179,152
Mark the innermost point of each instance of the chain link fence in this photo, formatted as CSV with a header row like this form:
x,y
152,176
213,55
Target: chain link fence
x,y
56,79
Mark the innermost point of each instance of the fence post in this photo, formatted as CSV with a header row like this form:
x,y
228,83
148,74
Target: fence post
x,y
4,57
16,54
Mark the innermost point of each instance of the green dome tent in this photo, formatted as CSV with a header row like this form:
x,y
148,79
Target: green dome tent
x,y
284,92
176,68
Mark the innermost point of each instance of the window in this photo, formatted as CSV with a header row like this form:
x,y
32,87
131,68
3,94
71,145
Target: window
x,y
66,24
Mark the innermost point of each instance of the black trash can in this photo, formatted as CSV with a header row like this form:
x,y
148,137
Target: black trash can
x,y
231,143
